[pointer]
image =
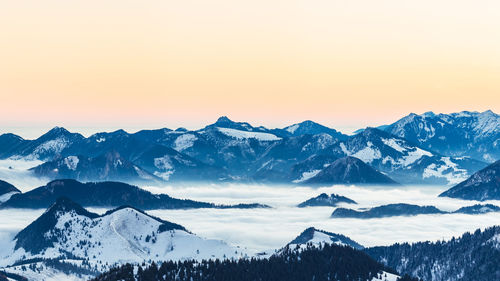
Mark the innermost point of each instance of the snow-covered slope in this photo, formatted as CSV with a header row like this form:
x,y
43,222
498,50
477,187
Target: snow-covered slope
x,y
171,165
312,128
405,161
483,185
324,199
238,134
47,146
473,134
106,167
67,231
316,237
349,170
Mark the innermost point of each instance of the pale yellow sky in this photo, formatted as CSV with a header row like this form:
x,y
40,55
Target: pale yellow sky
x,y
155,63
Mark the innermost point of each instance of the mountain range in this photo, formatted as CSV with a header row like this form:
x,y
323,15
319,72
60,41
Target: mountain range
x,y
105,194
418,149
402,209
472,134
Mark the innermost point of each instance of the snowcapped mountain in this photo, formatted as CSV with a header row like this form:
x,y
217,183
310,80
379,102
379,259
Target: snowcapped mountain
x,y
171,165
66,231
483,185
127,145
389,210
315,237
309,127
105,194
294,159
107,167
7,190
47,146
471,257
324,199
237,151
473,134
225,122
10,144
402,209
404,161
478,209
310,167
349,170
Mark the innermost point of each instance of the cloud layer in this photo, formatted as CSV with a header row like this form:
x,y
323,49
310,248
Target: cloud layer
x,y
266,229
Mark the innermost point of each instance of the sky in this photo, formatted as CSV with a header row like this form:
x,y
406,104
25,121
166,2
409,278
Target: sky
x,y
91,65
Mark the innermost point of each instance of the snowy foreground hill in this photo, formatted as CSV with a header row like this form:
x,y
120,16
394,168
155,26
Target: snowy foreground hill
x,y
69,234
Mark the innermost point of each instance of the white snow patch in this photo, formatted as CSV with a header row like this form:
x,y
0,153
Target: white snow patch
x,y
142,174
52,146
394,144
6,196
291,129
238,134
164,164
368,154
344,149
447,170
386,276
413,156
71,162
185,141
410,154
307,175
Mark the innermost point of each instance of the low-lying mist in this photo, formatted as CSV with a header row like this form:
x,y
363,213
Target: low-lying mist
x,y
17,172
267,229
264,229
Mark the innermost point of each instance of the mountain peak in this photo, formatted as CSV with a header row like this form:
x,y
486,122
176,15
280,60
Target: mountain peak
x,y
223,119
57,131
312,128
165,225
64,204
317,236
182,129
349,170
429,114
61,182
33,238
488,112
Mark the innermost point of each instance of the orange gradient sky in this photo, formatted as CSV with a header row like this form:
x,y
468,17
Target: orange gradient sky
x,y
157,63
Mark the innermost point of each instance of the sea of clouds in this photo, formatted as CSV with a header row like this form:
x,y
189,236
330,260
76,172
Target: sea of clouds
x,y
268,229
